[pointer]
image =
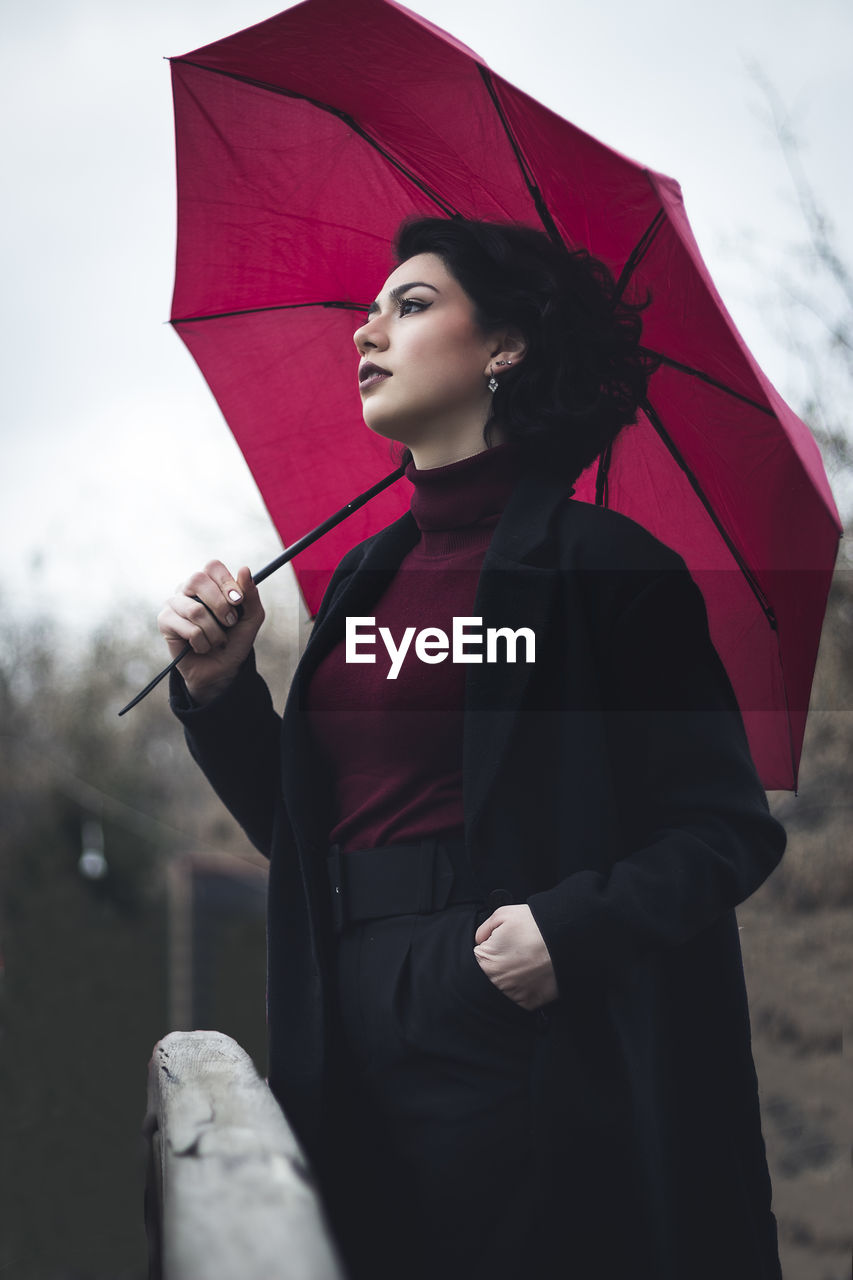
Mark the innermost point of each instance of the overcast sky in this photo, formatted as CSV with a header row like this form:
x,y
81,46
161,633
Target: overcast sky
x,y
119,475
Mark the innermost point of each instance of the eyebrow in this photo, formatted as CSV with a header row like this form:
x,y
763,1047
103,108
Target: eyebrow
x,y
396,294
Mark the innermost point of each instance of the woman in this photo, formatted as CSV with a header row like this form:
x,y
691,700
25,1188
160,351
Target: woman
x,y
506,1004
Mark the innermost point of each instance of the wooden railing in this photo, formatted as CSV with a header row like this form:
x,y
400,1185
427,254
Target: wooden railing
x,y
228,1194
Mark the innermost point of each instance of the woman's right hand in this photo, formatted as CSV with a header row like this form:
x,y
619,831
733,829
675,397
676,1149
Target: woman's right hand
x,y
218,652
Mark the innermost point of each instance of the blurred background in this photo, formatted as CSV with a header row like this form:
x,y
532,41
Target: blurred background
x,y
131,904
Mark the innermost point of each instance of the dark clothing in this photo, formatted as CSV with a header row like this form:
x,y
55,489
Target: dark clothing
x,y
440,1160
394,746
610,786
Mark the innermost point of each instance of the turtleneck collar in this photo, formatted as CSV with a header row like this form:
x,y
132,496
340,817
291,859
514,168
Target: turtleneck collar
x,y
457,506
462,493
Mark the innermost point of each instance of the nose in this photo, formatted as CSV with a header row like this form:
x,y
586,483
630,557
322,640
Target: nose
x,y
369,336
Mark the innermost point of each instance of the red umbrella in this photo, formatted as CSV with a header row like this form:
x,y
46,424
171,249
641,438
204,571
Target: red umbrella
x,y
302,143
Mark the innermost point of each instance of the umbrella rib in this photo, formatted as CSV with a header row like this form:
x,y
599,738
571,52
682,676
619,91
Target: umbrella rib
x,y
277,306
602,475
639,251
347,119
667,439
535,194
706,377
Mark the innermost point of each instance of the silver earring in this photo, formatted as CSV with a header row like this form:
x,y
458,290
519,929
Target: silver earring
x,y
493,384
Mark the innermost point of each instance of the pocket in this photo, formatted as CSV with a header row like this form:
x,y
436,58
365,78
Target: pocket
x,y
499,999
443,1002
400,999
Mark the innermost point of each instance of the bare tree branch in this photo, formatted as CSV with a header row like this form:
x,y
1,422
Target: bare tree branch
x,y
820,226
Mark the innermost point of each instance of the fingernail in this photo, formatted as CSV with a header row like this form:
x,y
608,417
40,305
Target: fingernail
x,y
235,596
231,618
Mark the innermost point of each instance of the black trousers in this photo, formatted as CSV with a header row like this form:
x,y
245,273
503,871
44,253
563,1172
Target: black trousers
x,y
438,1170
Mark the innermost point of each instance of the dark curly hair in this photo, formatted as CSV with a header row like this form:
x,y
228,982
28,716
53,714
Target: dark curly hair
x,y
584,375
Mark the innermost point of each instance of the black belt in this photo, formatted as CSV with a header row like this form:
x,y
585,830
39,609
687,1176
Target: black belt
x,y
399,879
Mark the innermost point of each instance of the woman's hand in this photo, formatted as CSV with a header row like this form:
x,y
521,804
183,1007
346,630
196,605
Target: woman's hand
x,y
512,953
218,651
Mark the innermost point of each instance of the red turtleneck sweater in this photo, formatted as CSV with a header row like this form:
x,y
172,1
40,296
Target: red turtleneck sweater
x,y
395,746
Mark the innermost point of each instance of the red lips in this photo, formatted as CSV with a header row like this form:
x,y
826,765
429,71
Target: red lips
x,y
370,371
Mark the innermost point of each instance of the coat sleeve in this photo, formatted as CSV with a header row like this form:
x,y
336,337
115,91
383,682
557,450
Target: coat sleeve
x,y
235,738
697,826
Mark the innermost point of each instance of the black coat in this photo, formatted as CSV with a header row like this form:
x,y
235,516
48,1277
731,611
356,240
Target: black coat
x,y
609,785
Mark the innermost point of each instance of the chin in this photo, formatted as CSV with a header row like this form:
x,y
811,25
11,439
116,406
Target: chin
x,y
388,429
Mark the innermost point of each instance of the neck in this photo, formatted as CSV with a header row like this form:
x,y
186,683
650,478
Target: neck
x,y
428,454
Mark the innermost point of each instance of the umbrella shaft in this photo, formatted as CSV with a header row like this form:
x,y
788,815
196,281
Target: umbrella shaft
x,y
286,555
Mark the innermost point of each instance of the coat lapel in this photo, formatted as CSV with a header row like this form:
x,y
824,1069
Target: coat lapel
x,y
358,592
514,591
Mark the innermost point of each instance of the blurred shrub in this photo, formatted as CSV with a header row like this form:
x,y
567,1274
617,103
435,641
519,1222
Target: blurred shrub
x,y
84,996
817,869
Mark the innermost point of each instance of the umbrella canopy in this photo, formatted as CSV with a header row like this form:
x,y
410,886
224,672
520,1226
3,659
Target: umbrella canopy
x,y
303,142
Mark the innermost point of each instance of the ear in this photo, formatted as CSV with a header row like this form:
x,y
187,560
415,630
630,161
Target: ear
x,y
509,346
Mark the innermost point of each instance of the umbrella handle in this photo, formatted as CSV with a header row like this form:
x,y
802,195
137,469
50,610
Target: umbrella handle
x,y
286,555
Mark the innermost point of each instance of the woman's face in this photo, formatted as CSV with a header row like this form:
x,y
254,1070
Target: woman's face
x,y
432,360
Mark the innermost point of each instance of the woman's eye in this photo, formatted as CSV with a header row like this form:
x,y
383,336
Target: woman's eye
x,y
411,302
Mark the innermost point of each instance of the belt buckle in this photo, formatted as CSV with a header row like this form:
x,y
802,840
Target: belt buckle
x,y
335,865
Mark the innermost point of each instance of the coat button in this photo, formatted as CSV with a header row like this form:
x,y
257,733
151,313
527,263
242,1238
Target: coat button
x,y
498,898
